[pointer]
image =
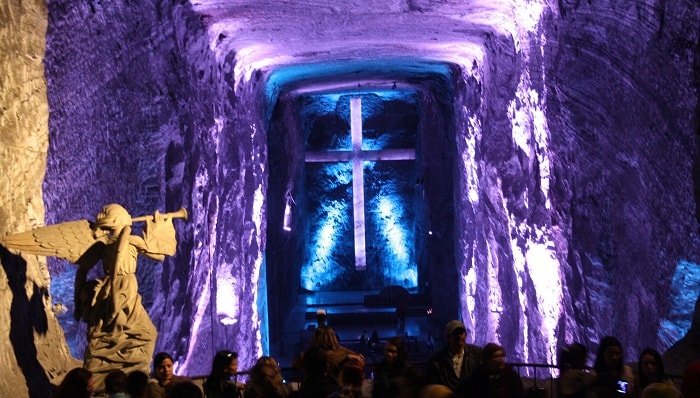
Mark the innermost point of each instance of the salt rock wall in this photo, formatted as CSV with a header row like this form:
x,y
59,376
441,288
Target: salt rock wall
x,y
577,184
33,351
143,115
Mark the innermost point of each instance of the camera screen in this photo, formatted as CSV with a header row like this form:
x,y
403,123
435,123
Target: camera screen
x,y
622,386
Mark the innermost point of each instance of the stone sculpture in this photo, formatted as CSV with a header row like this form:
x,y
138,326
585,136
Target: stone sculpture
x,y
120,332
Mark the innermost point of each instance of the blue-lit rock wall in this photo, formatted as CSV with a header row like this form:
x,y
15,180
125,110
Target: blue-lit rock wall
x,y
389,121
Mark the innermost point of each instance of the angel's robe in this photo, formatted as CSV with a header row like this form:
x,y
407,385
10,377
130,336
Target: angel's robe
x,y
120,332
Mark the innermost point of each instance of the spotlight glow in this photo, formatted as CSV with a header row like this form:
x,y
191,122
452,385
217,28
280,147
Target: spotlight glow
x,y
685,289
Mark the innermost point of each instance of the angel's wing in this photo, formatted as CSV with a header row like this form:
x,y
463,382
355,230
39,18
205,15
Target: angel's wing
x,y
68,240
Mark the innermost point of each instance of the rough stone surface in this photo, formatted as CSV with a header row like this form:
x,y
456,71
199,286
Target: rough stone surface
x,y
567,131
33,351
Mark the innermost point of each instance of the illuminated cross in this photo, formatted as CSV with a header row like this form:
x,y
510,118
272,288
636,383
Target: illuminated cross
x,y
357,156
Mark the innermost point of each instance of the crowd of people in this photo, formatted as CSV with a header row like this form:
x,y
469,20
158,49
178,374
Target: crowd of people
x,y
459,369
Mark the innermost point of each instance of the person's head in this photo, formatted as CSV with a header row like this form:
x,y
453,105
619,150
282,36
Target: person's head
x,y
271,369
185,389
137,384
494,358
456,335
266,379
651,367
660,390
575,356
224,365
267,360
609,357
352,374
116,381
436,391
315,361
78,383
163,367
324,337
321,316
690,385
395,351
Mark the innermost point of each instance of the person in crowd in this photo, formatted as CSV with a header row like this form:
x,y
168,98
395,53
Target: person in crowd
x,y
660,390
78,383
266,380
184,389
351,378
116,384
374,340
651,369
321,318
612,377
219,383
690,386
394,376
137,384
325,338
436,391
316,382
575,377
494,379
163,377
453,365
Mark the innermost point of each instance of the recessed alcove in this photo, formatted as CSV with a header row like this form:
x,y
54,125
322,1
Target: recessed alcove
x,y
408,202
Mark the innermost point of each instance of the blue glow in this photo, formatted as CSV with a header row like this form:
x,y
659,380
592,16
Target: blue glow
x,y
400,69
389,186
330,222
261,303
322,270
62,290
685,289
389,215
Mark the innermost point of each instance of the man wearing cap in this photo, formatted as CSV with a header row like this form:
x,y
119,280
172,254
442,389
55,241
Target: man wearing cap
x,y
453,365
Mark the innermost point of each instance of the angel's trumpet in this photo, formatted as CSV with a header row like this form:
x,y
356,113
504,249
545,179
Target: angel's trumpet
x,y
182,213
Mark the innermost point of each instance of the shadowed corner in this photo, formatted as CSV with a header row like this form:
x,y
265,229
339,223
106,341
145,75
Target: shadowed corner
x,y
26,317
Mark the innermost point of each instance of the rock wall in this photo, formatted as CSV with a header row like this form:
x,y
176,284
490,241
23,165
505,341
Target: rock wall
x,y
33,350
144,115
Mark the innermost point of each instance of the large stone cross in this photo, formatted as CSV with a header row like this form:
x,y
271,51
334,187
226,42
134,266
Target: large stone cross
x,y
357,156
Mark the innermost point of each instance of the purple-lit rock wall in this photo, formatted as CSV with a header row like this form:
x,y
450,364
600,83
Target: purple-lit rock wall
x,y
578,177
142,115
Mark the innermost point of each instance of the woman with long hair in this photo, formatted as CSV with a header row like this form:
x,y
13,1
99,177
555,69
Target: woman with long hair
x,y
220,382
326,339
612,377
393,376
266,380
651,373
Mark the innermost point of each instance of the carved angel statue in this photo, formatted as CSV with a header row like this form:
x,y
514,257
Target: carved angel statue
x,y
120,332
